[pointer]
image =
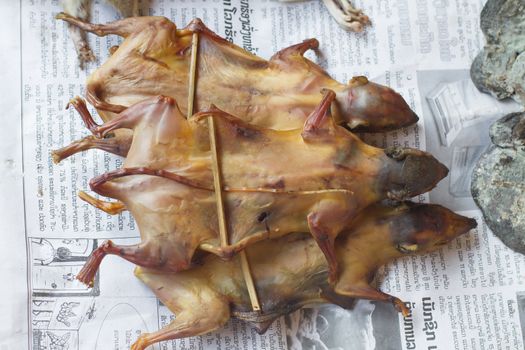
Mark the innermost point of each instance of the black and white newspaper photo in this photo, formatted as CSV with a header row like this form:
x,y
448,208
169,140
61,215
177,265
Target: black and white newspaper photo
x,y
172,184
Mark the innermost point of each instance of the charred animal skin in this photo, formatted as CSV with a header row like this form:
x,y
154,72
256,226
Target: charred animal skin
x,y
278,93
379,235
167,178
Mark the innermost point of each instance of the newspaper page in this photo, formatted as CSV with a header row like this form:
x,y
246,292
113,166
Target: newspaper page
x,y
14,296
469,295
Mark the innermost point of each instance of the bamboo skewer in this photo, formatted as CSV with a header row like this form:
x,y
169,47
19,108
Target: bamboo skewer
x,y
248,279
193,75
245,266
217,183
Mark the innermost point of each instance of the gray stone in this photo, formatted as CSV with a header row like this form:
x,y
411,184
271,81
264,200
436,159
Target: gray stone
x,y
498,181
500,68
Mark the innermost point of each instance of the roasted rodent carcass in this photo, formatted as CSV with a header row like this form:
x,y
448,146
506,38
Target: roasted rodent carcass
x,y
317,179
205,297
343,11
154,59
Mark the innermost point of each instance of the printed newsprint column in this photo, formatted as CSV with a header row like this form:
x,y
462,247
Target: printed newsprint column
x,y
13,294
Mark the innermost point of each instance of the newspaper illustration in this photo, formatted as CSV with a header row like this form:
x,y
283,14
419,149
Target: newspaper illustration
x,y
457,112
467,295
55,263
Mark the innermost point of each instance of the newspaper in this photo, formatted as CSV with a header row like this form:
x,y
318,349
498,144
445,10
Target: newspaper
x,y
468,295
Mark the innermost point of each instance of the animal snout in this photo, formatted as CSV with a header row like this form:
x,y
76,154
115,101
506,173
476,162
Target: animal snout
x,y
422,173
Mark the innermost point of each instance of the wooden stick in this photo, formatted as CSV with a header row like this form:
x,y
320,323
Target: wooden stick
x,y
245,266
217,183
248,279
193,76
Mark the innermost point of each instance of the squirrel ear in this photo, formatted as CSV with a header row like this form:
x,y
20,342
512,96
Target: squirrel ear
x,y
321,118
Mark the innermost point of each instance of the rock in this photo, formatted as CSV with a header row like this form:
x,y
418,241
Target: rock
x,y
498,181
500,68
